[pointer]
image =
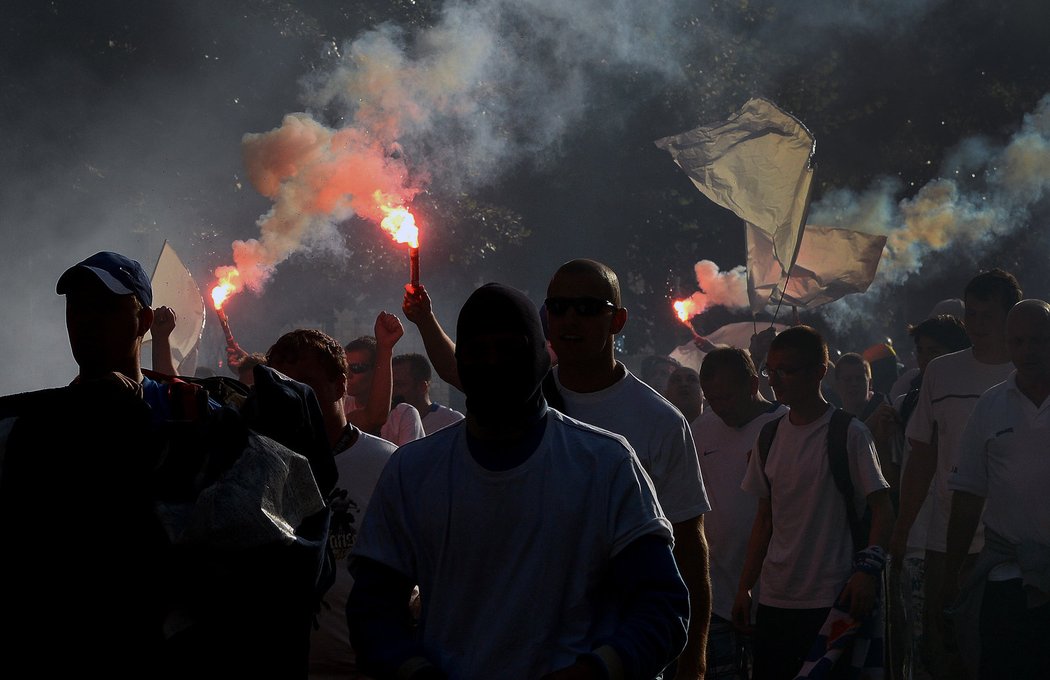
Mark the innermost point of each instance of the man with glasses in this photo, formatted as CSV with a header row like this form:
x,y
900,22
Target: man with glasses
x,y
584,315
801,550
369,384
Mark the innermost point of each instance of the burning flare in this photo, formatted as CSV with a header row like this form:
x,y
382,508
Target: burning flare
x,y
398,222
229,279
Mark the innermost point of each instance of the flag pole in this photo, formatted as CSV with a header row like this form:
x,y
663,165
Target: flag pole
x,y
798,245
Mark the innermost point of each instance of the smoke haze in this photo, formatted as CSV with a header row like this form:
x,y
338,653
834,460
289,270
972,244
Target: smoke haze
x,y
256,133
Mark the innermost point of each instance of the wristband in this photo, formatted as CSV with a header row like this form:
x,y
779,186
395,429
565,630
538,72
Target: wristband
x,y
871,560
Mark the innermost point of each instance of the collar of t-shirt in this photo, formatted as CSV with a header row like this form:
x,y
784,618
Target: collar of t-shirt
x,y
501,455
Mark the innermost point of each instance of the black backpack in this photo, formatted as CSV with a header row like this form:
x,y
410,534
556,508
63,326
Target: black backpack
x,y
860,526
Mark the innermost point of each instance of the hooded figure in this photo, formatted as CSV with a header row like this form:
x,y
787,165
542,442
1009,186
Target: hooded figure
x,y
502,357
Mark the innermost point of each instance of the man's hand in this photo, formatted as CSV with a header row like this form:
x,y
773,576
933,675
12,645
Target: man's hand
x,y
416,304
163,322
235,356
704,345
388,330
742,612
859,595
883,422
759,346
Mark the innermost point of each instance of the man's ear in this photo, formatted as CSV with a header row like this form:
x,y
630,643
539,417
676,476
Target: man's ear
x,y
340,387
145,320
619,320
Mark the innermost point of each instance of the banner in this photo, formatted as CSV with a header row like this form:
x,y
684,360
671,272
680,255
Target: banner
x,y
756,164
830,263
174,287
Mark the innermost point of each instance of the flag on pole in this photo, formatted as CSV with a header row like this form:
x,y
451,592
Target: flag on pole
x,y
758,164
173,286
830,263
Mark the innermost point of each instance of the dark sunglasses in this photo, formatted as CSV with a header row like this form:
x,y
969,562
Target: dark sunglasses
x,y
584,306
358,369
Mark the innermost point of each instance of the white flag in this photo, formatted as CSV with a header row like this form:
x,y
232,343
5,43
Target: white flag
x,y
830,263
757,164
173,286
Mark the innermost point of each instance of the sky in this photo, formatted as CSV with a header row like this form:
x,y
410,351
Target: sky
x,y
256,134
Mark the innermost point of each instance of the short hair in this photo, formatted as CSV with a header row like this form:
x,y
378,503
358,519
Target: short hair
x,y
294,345
731,359
418,366
806,340
944,329
994,284
365,343
595,268
852,359
651,363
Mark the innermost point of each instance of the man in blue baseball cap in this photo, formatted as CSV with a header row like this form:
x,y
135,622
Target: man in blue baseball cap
x,y
108,311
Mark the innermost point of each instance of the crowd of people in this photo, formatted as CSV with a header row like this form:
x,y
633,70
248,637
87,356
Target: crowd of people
x,y
780,511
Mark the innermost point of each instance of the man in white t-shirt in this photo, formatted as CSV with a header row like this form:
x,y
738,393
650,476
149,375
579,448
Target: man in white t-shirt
x,y
725,434
584,314
1004,470
412,377
801,545
316,359
537,541
951,385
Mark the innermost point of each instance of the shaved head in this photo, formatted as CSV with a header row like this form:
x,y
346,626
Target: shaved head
x,y
596,270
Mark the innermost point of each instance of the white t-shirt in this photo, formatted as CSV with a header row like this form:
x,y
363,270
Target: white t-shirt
x,y
509,563
950,388
810,554
657,432
724,452
359,468
1004,458
403,425
917,535
439,416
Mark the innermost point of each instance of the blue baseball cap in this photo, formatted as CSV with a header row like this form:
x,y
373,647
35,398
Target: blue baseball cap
x,y
121,275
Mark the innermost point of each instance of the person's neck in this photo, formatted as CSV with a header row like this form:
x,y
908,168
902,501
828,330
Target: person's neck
x,y
856,406
755,407
131,370
805,412
334,421
421,405
1036,389
590,376
991,352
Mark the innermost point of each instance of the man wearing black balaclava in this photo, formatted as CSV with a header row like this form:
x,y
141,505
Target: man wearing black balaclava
x,y
537,542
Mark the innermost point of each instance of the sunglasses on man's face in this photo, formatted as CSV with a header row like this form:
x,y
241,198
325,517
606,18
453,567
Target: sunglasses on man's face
x,y
584,306
358,369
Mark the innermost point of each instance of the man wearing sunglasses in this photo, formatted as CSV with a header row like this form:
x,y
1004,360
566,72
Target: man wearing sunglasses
x,y
584,315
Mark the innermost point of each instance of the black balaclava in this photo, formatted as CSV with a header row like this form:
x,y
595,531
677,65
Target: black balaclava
x,y
505,388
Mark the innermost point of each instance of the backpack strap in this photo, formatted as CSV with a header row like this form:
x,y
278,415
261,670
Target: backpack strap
x,y
838,461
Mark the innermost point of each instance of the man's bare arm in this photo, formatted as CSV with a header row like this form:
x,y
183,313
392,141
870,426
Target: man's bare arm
x,y
915,483
691,554
439,346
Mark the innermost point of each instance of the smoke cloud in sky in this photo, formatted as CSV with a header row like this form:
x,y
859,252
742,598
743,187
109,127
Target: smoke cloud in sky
x,y
250,133
490,84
